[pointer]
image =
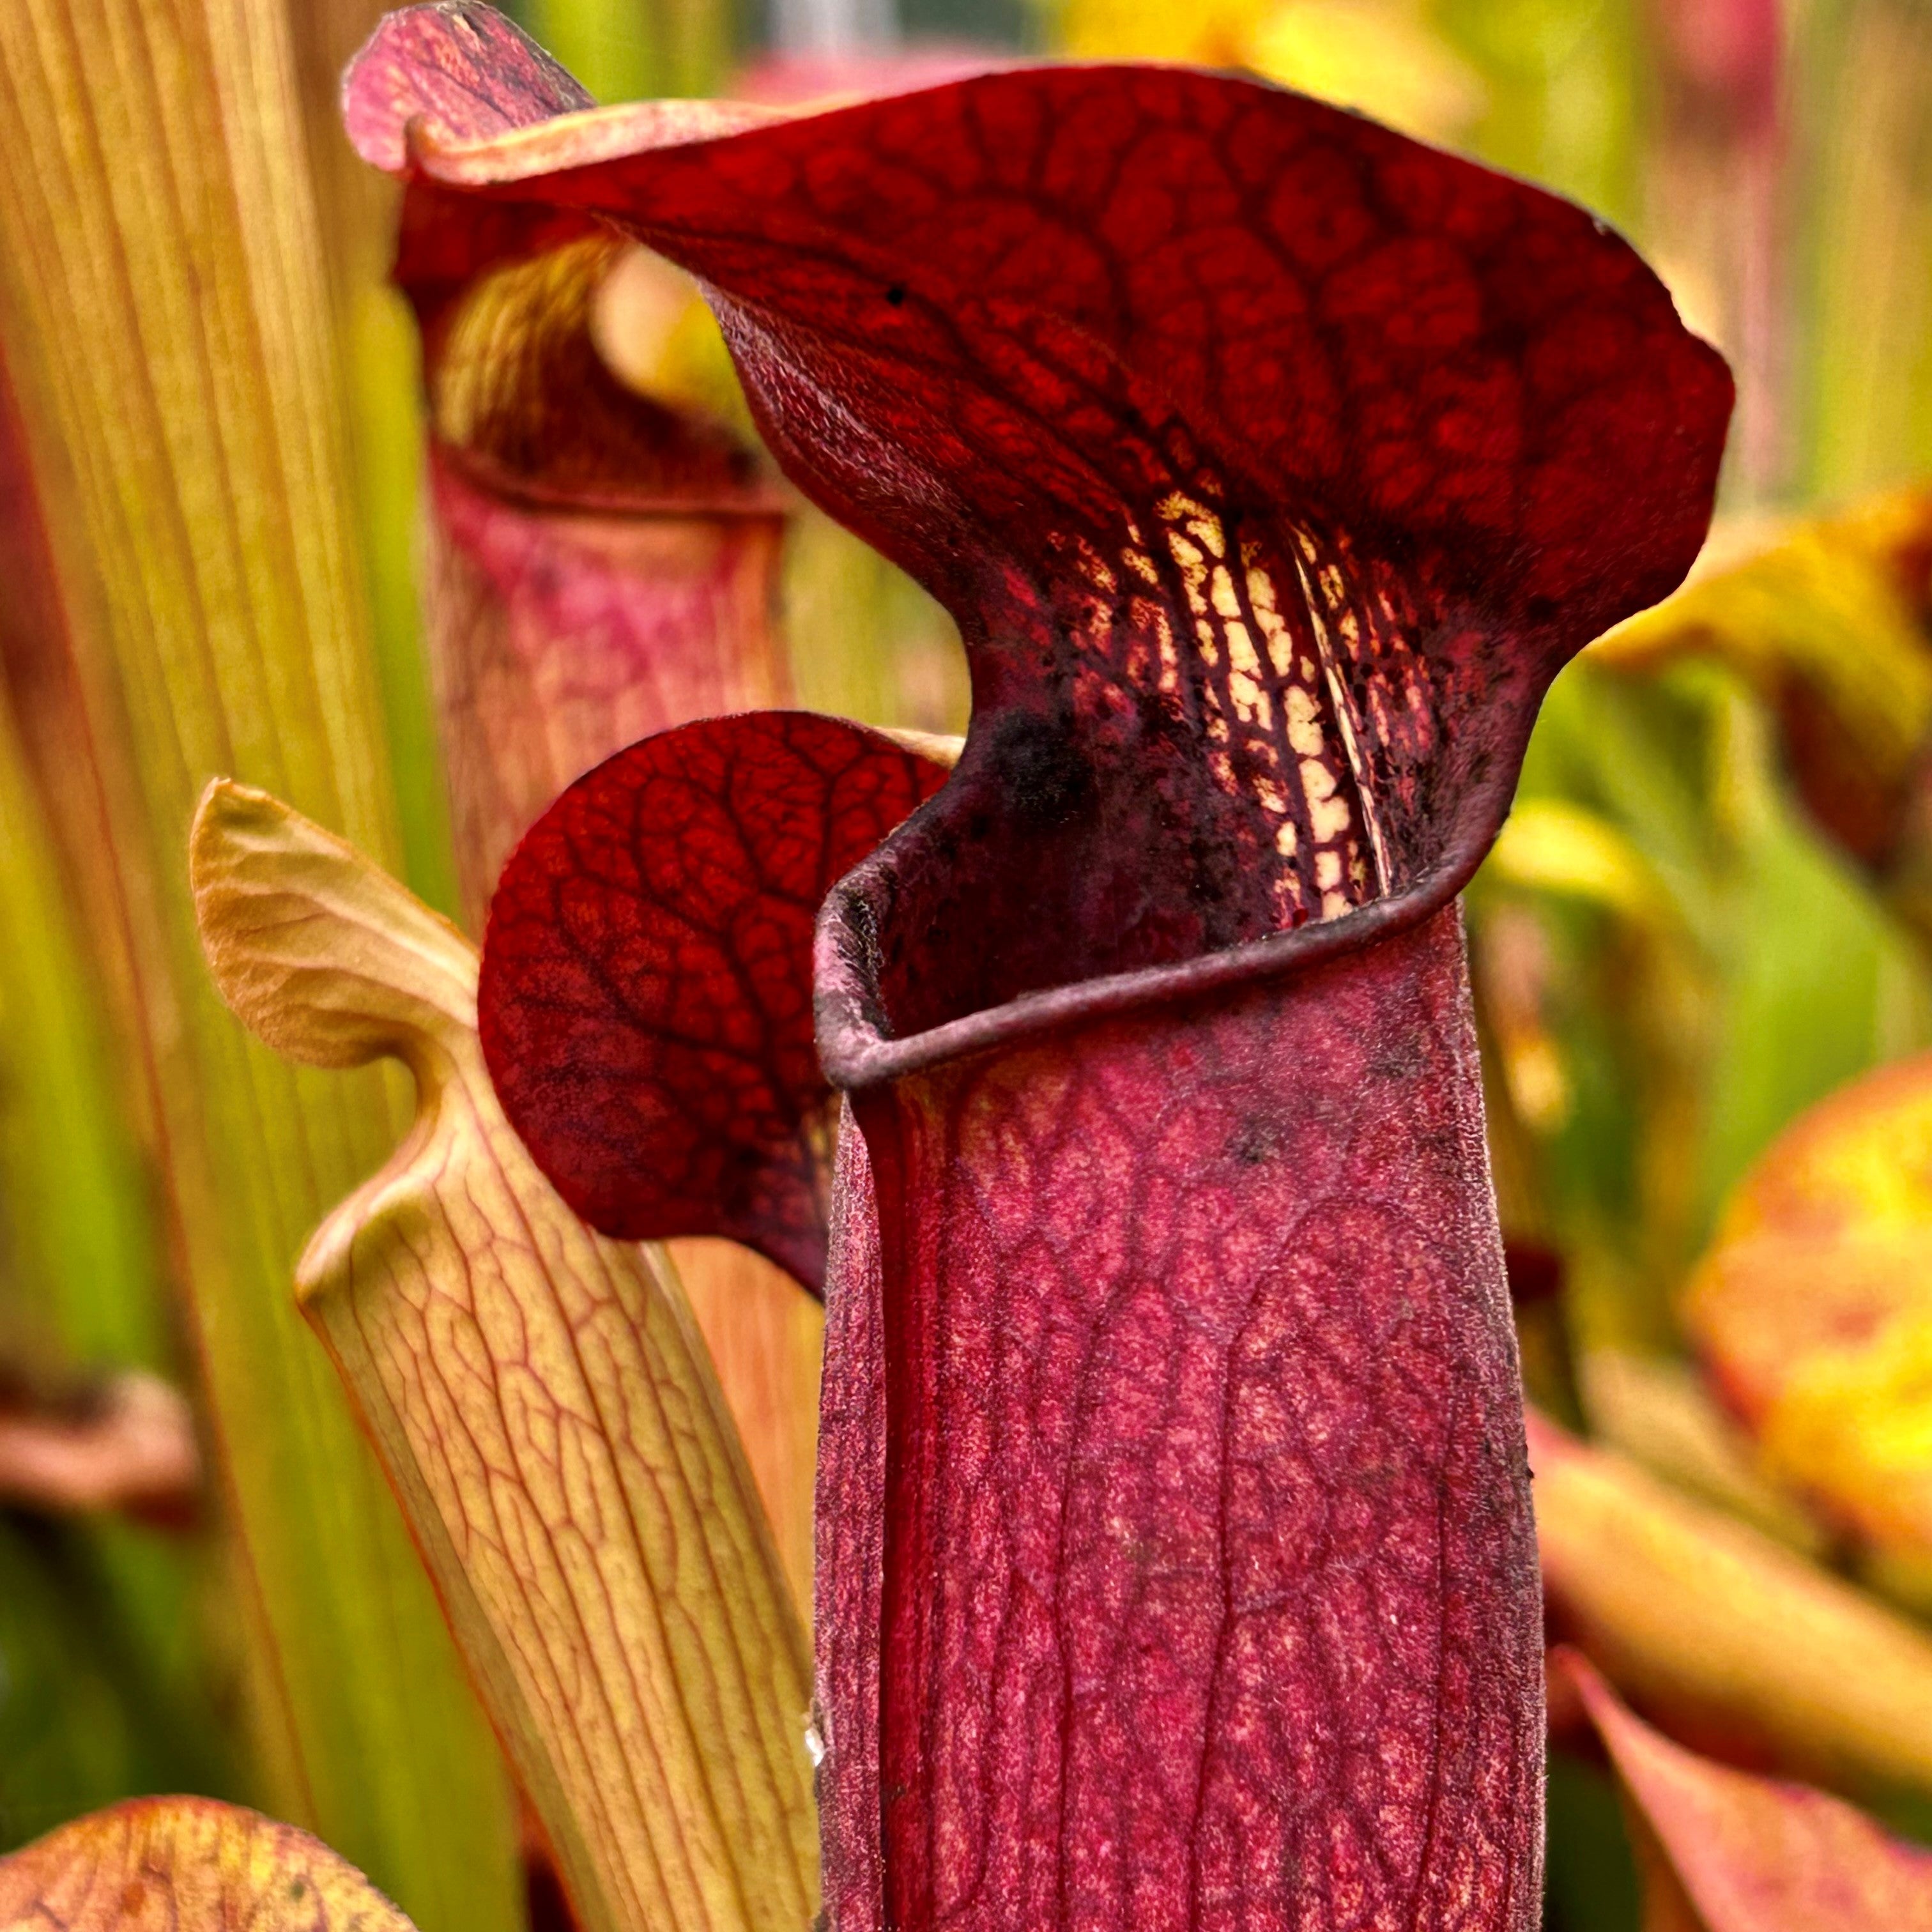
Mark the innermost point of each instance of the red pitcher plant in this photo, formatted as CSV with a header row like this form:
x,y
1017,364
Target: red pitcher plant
x,y
1114,1082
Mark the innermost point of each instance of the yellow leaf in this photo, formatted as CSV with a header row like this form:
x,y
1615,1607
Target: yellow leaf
x,y
1738,1643
1215,33
1379,56
546,1411
1552,845
1827,620
186,1864
1813,1310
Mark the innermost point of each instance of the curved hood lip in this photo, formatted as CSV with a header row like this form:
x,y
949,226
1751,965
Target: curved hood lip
x,y
857,1053
760,499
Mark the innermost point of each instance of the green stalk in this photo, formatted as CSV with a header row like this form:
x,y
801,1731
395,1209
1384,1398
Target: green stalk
x,y
80,1281
376,345
1865,195
170,335
636,49
109,1693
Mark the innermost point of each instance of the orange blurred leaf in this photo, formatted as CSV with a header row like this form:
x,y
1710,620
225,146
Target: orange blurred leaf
x,y
187,1865
1740,1645
1813,1309
1724,1851
1831,621
545,1409
126,1443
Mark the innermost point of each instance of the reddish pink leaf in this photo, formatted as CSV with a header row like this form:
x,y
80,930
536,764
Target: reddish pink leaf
x,y
1272,465
450,72
646,1001
557,636
1087,348
1725,1851
850,1548
604,547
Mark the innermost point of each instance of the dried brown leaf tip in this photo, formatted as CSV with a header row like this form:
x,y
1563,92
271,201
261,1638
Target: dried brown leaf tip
x,y
186,1864
546,1411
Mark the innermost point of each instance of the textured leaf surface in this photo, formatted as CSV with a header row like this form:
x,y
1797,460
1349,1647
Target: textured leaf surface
x,y
848,1578
1726,1852
1245,426
1209,1593
1813,1311
646,1005
458,73
1736,1643
1271,466
191,1865
546,1411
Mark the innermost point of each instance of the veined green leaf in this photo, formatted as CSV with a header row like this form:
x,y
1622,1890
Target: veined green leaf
x,y
547,1411
168,329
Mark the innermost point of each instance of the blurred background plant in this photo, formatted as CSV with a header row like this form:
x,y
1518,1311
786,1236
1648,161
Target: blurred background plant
x,y
1712,908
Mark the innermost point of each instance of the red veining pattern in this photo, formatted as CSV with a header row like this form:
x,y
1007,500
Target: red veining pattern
x,y
646,1004
1272,465
555,639
192,1864
1284,459
1209,1596
459,73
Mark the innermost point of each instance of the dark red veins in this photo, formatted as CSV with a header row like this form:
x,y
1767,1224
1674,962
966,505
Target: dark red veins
x,y
459,72
645,1004
1271,462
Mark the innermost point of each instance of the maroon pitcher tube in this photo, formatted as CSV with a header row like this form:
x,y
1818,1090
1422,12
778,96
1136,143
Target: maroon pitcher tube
x,y
1209,1581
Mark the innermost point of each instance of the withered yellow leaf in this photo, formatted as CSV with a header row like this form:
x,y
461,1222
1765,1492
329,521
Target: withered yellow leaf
x,y
186,1864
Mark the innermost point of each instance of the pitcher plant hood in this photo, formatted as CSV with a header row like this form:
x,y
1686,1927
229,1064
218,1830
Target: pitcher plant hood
x,y
1176,1562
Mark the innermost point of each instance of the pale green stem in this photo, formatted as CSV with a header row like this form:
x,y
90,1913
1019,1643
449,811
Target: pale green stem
x,y
160,247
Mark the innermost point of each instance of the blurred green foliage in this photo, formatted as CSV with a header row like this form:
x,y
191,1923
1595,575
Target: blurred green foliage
x,y
106,1688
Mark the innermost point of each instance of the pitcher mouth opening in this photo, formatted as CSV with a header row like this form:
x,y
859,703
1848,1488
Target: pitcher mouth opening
x,y
974,926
